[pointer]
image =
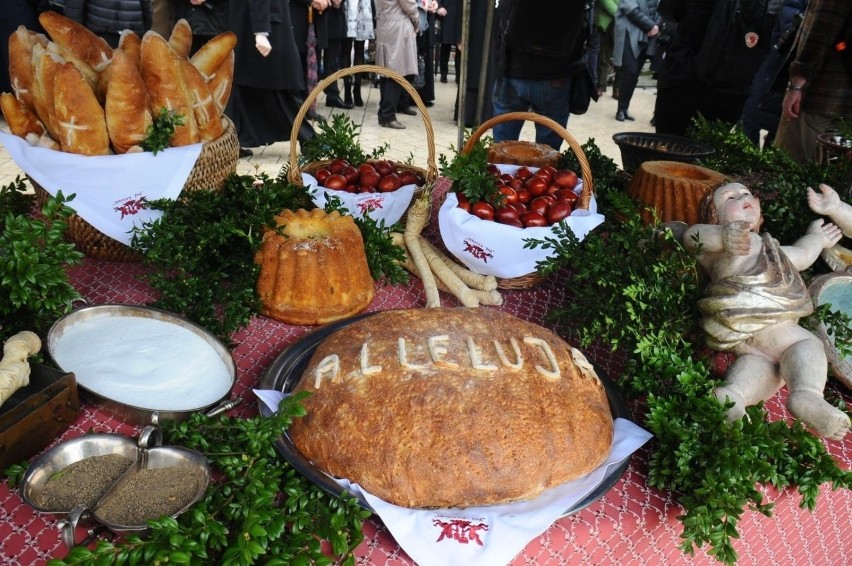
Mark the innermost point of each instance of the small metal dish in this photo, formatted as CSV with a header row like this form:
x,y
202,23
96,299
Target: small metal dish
x,y
150,459
71,451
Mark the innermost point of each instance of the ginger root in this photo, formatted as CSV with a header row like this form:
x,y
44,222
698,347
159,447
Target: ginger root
x,y
14,367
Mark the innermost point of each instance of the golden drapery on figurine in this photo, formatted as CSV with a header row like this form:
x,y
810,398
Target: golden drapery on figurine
x,y
741,305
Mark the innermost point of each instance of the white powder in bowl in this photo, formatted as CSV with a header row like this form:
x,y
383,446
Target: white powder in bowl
x,y
143,362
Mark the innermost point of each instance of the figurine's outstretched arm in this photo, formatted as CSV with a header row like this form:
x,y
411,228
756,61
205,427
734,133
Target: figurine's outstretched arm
x,y
827,202
806,250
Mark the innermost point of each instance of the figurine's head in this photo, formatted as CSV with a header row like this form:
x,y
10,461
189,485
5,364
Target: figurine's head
x,y
730,202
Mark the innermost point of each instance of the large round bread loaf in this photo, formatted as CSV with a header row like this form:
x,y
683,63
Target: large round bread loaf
x,y
439,408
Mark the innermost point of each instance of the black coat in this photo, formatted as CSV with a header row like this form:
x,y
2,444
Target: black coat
x,y
451,23
282,68
208,19
299,17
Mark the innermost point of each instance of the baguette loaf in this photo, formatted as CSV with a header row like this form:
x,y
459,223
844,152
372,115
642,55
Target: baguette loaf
x,y
208,58
79,115
127,111
222,82
45,65
180,39
93,49
163,77
204,107
22,121
21,62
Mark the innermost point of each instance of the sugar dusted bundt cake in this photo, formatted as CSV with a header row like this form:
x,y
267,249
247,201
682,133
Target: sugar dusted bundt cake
x,y
673,189
313,269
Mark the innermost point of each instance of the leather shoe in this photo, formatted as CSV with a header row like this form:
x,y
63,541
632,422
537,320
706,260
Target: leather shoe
x,y
246,152
395,124
622,115
313,116
335,102
408,111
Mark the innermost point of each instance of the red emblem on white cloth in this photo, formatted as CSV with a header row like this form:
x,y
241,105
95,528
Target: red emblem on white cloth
x,y
751,39
368,204
477,250
463,531
130,207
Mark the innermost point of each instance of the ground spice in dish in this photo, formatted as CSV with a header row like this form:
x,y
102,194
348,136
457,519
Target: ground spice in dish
x,y
149,494
83,482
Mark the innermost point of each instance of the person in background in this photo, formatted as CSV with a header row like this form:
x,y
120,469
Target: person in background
x,y
681,94
450,13
820,88
359,30
636,30
536,61
397,25
426,10
108,18
299,18
762,109
335,17
268,78
605,23
206,18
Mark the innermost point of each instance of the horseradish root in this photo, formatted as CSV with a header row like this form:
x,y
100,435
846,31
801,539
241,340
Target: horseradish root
x,y
14,367
418,215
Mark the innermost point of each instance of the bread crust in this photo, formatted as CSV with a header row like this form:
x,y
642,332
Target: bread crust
x,y
208,58
79,115
126,110
206,111
84,43
443,429
180,39
22,121
21,62
163,76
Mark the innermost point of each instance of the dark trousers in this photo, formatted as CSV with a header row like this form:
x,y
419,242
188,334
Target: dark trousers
x,y
444,60
393,97
631,66
332,63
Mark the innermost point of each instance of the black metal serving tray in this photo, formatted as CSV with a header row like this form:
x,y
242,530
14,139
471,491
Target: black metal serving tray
x,y
285,370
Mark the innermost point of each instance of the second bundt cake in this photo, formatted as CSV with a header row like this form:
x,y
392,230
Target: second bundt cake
x,y
313,268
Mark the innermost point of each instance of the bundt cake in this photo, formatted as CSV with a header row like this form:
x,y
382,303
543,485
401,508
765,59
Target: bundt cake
x,y
673,189
531,154
313,268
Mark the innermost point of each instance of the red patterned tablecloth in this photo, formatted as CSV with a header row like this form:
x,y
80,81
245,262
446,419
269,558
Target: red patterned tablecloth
x,y
632,524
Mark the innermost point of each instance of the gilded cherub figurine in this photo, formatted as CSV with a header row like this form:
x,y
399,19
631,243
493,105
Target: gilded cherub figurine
x,y
752,306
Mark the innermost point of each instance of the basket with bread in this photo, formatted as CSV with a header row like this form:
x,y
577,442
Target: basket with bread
x,y
495,209
74,95
380,188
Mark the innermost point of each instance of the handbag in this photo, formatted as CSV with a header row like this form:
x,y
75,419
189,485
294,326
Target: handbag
x,y
420,80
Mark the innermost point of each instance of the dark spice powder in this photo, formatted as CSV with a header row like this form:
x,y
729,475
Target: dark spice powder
x,y
149,494
83,482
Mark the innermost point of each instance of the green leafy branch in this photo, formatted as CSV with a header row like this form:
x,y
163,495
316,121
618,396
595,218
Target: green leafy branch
x,y
469,174
337,138
34,285
159,134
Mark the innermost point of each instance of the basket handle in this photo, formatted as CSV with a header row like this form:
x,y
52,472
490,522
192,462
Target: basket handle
x,y
588,184
295,175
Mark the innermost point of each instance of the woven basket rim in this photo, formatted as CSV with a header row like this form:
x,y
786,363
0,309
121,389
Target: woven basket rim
x,y
586,170
294,173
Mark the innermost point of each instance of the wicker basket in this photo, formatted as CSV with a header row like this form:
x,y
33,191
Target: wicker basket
x,y
532,279
218,159
429,173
